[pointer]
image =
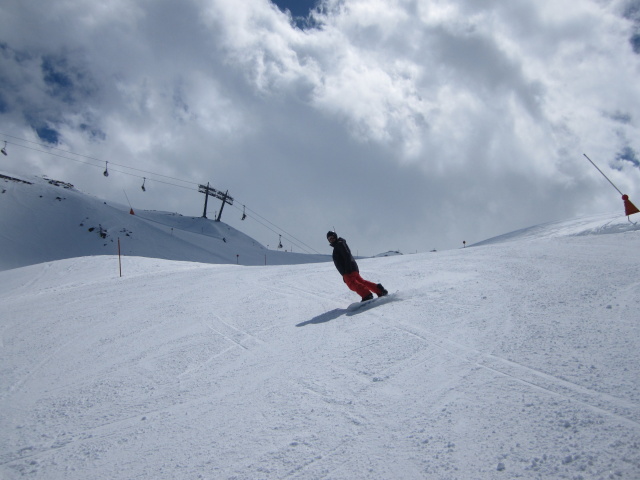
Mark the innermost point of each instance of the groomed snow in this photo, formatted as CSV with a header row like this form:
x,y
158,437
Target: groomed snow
x,y
518,359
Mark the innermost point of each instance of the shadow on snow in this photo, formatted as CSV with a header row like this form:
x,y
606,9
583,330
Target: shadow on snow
x,y
325,317
338,312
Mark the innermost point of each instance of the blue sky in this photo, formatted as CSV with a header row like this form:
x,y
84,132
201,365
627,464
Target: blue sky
x,y
404,125
298,8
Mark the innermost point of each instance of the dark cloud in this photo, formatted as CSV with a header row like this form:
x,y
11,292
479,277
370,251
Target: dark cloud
x,y
48,135
626,155
632,12
47,91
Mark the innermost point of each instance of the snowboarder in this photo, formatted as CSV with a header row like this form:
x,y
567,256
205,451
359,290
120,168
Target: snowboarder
x,y
348,268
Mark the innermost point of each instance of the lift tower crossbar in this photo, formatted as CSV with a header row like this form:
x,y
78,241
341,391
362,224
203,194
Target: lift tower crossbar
x,y
210,191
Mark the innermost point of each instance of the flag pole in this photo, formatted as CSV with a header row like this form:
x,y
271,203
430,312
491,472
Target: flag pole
x,y
119,257
629,208
602,174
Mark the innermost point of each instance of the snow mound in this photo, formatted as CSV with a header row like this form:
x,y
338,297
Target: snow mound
x,y
602,224
390,253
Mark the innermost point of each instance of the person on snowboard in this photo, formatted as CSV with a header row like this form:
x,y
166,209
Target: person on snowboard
x,y
348,268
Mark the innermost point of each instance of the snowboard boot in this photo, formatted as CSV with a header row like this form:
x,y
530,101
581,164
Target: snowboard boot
x,y
382,290
368,297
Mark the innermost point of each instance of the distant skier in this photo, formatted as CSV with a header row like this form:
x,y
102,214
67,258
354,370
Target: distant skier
x,y
348,268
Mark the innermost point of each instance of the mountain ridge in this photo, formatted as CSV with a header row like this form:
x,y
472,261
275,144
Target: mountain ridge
x,y
45,220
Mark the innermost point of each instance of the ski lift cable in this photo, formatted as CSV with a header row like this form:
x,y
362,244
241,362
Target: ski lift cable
x,y
85,156
151,179
282,230
112,169
295,241
274,231
304,247
258,215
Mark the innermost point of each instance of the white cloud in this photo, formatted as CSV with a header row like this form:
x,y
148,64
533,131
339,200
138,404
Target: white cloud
x,y
390,116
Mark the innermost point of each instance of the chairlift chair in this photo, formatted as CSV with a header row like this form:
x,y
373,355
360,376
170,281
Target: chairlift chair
x,y
106,169
4,149
144,179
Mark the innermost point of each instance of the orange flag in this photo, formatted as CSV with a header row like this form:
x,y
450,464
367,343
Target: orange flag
x,y
629,208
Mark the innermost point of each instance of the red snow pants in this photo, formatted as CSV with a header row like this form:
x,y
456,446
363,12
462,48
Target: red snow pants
x,y
359,285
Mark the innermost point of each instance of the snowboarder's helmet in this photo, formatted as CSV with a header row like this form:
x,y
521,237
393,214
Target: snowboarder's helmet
x,y
331,234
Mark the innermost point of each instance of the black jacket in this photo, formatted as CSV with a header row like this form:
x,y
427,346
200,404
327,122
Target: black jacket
x,y
342,258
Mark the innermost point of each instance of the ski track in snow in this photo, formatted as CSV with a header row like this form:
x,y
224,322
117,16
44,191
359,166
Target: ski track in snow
x,y
516,360
622,409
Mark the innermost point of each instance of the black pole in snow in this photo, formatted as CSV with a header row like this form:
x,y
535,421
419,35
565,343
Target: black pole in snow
x,y
224,200
206,197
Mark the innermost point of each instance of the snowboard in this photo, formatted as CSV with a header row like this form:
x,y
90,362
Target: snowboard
x,y
371,303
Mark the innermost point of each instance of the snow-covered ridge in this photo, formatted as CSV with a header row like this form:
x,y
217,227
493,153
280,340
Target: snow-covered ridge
x,y
390,253
44,220
602,224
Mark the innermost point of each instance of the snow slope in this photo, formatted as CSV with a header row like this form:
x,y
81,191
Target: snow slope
x,y
518,359
602,224
43,220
